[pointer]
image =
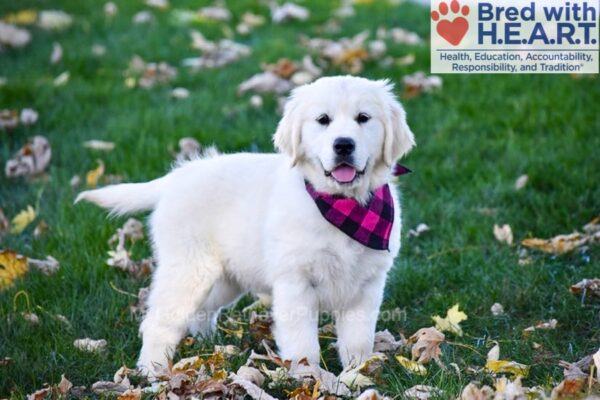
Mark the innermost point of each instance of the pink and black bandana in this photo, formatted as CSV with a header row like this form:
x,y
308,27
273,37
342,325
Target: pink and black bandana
x,y
370,225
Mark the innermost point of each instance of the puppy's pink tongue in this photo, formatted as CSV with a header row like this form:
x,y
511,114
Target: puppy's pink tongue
x,y
344,173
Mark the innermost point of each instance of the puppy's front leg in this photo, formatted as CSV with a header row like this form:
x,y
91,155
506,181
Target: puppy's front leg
x,y
295,313
355,325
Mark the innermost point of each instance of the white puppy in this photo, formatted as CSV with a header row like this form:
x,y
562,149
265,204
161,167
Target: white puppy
x,y
229,224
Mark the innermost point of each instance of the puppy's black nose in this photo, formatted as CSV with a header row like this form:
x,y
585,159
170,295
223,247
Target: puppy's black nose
x,y
343,146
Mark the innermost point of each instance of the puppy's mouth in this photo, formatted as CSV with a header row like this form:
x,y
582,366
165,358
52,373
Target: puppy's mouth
x,y
344,173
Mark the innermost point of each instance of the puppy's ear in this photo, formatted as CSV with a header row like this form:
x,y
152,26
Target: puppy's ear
x,y
399,139
287,137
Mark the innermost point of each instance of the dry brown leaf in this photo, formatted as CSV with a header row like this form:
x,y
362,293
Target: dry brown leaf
x,y
385,341
418,83
265,82
39,394
509,390
422,392
4,224
32,159
49,266
370,394
560,244
568,387
215,54
90,345
251,389
110,388
12,267
427,345
92,177
503,234
65,385
131,394
473,392
40,229
287,12
543,325
9,119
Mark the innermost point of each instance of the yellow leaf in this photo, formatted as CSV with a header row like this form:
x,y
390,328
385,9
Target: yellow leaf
x,y
23,17
411,366
22,220
91,178
507,367
451,322
12,266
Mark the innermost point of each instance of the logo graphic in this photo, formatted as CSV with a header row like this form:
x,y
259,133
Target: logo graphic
x,y
453,31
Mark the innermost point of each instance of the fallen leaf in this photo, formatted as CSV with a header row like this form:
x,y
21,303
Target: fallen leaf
x,y
110,9
22,17
265,82
568,387
13,36
287,12
99,145
596,358
256,101
251,389
473,392
427,345
497,309
411,366
249,22
131,394
422,392
142,17
521,182
507,367
32,318
215,13
148,74
509,390
503,234
92,177
28,116
75,181
31,160
9,119
39,394
54,20
586,286
385,341
90,345
419,230
161,4
110,388
562,244
215,54
4,224
62,79
22,220
180,93
543,325
49,266
451,322
65,385
418,83
57,53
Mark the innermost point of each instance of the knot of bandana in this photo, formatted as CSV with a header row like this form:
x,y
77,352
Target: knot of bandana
x,y
369,225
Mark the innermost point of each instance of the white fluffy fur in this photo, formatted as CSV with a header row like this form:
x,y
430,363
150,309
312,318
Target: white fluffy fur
x,y
229,224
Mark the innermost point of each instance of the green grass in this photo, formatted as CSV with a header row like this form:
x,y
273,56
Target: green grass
x,y
475,137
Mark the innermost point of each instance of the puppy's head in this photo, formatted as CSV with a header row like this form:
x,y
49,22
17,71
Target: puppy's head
x,y
344,134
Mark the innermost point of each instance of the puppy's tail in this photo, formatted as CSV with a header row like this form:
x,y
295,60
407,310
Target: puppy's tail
x,y
125,198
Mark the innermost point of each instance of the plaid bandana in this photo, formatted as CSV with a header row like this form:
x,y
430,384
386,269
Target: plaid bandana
x,y
369,225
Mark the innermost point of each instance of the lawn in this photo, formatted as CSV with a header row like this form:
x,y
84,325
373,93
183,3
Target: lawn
x,y
475,137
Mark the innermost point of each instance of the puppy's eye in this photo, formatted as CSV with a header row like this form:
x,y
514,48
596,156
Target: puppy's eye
x,y
324,119
361,118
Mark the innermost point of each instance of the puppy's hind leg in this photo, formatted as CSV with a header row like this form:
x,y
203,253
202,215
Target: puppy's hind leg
x,y
180,286
224,293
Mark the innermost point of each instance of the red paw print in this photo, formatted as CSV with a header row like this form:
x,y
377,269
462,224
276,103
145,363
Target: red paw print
x,y
453,31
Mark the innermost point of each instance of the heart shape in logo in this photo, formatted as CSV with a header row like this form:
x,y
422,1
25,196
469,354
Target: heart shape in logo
x,y
453,31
